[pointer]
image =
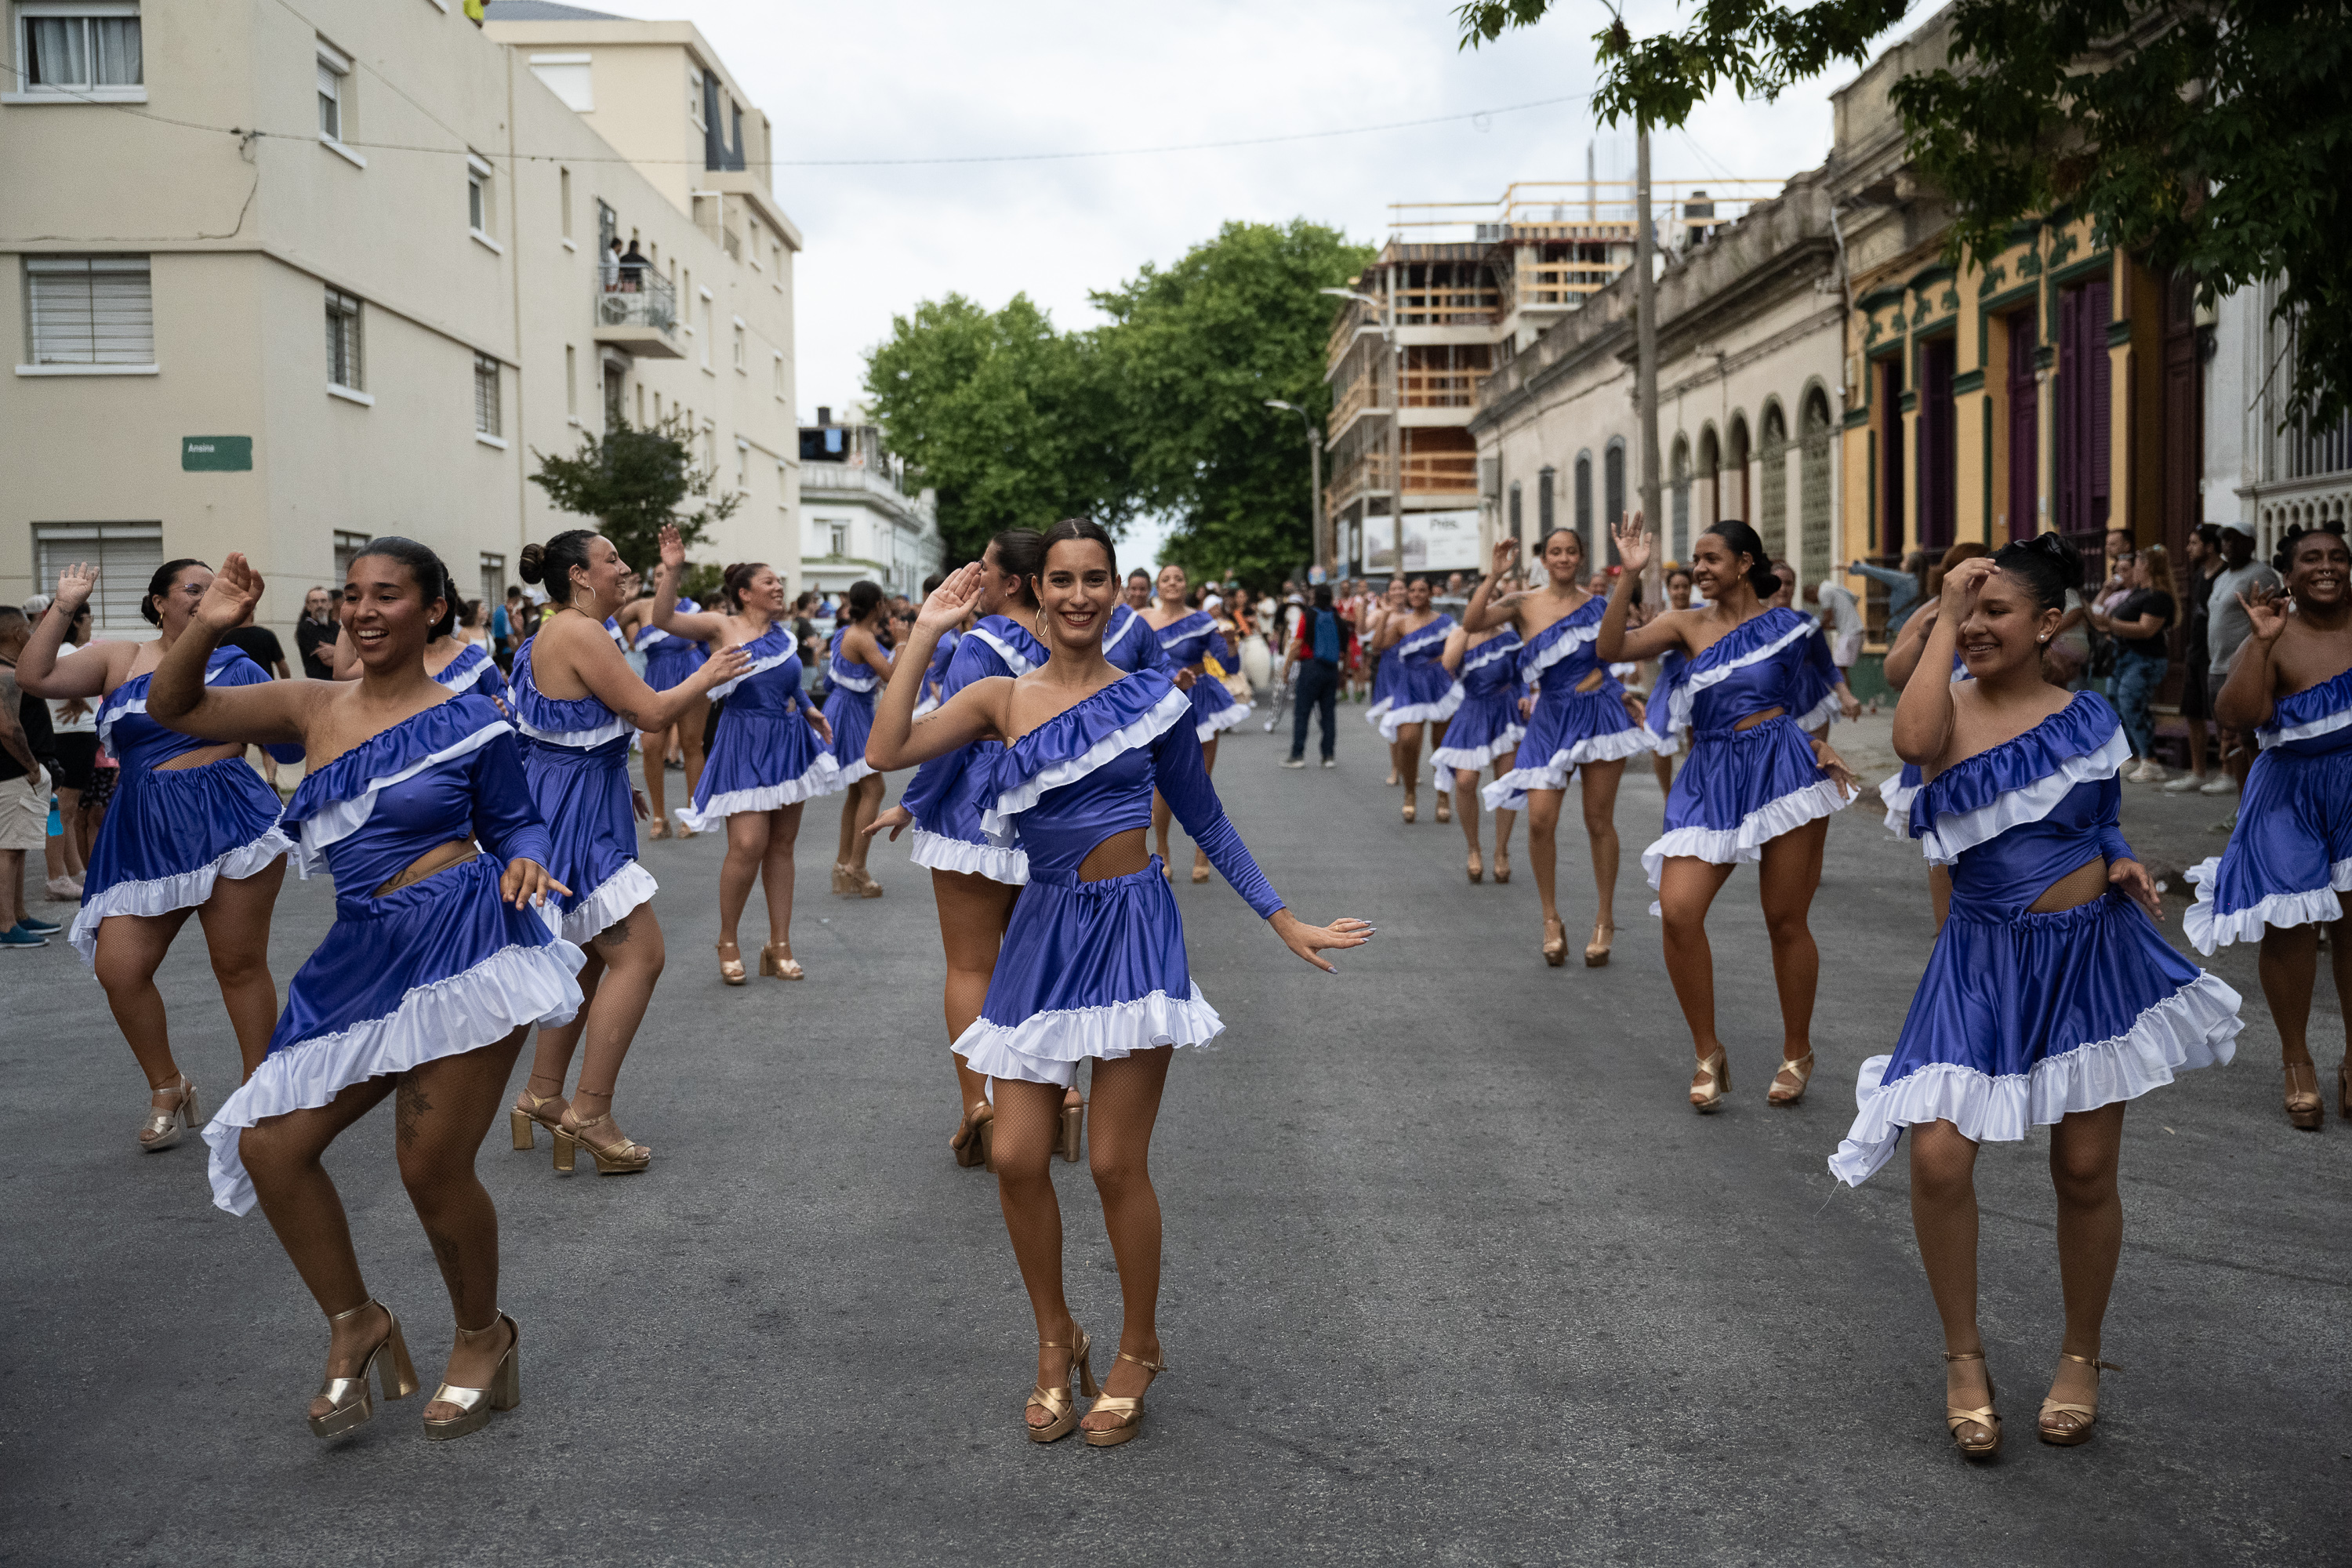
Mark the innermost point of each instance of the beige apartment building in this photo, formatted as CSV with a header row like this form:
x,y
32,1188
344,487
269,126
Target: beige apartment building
x,y
286,280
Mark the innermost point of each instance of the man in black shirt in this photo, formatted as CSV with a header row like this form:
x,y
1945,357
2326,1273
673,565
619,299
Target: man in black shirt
x,y
315,634
260,645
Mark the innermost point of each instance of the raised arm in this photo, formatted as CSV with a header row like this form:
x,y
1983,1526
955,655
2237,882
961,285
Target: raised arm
x,y
696,626
91,671
1483,613
605,670
867,650
2248,697
274,712
1923,719
1902,658
1457,643
896,740
1616,642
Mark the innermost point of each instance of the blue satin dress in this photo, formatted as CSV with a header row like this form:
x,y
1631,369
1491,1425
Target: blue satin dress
x,y
1740,789
1189,641
849,708
1130,644
2023,1018
936,673
170,834
670,660
575,755
764,755
1418,689
2289,857
1098,968
942,795
1569,727
435,969
475,670
1487,724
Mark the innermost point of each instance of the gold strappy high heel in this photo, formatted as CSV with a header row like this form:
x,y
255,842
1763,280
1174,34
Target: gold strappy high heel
x,y
523,1121
864,885
1409,802
2304,1109
1956,1417
162,1128
1596,952
1130,1409
658,827
970,1140
1502,865
1445,806
1798,1067
1056,1402
389,1360
776,959
475,1405
1555,942
2079,1431
842,884
618,1158
1476,867
1710,1083
731,970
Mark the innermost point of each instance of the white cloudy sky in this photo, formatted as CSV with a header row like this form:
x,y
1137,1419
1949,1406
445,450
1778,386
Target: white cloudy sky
x,y
928,79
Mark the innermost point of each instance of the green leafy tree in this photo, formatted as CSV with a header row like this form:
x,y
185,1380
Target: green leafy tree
x,y
1003,417
632,481
2204,134
1196,351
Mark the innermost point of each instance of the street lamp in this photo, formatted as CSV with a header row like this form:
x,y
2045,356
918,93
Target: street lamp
x,y
1322,546
1387,329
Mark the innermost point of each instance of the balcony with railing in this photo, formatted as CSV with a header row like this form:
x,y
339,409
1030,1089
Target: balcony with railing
x,y
637,312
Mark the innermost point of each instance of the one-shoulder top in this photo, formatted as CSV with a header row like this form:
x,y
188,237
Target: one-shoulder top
x,y
1751,670
1088,773
2312,722
1492,668
651,637
847,674
772,683
1562,655
474,670
575,723
1425,645
449,773
1129,643
139,742
1192,638
2016,817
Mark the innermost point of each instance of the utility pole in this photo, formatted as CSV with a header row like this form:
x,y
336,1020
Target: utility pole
x,y
1645,329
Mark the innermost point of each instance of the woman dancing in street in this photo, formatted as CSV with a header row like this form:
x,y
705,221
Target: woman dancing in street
x,y
191,829
1486,732
1094,965
768,759
2288,868
1583,724
1380,670
1756,786
450,660
856,663
439,960
2050,999
975,878
577,702
1422,691
670,662
1188,638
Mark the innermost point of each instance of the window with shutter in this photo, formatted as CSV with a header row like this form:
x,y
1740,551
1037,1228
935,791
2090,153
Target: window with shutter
x,y
1544,512
347,550
89,310
2084,409
1612,500
125,553
1938,434
344,363
485,396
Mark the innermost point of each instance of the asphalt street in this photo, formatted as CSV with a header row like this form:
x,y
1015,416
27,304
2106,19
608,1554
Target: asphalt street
x,y
1453,1272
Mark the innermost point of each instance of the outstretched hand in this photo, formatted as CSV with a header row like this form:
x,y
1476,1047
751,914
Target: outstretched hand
x,y
673,547
1634,545
526,882
2266,610
75,583
1308,941
234,589
2130,878
724,664
1507,556
951,600
897,819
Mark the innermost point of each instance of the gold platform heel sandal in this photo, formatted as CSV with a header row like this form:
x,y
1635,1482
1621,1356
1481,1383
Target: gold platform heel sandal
x,y
1502,866
1957,1419
162,1128
843,885
1710,1083
475,1405
1596,952
1555,942
864,885
1445,806
2067,1434
619,1157
1799,1070
776,959
1074,1123
658,827
731,970
1476,867
2304,1109
353,1406
1129,1410
1056,1402
970,1143
524,1121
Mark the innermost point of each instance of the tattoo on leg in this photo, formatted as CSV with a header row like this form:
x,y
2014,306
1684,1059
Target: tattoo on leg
x,y
410,1109
445,1253
617,933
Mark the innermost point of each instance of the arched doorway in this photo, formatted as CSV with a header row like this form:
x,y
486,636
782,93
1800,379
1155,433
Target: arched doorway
x,y
1772,504
1813,489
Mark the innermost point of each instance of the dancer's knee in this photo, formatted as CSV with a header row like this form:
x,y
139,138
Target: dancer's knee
x,y
1943,1164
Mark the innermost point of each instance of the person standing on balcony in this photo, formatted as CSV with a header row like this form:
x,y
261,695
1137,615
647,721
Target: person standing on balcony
x,y
633,266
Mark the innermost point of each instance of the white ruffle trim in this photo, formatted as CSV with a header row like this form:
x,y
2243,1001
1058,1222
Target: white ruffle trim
x,y
2208,928
1437,712
181,890
849,775
1959,832
1555,772
759,666
1825,711
338,820
999,864
2325,724
1678,704
1014,659
996,821
1898,797
1226,718
860,684
1428,637
514,986
1487,652
1472,759
472,675
2196,1027
824,777
1378,712
1736,846
1553,652
580,740
1047,1046
619,893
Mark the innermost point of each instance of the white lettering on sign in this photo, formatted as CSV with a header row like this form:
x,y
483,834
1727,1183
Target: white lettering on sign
x,y
194,446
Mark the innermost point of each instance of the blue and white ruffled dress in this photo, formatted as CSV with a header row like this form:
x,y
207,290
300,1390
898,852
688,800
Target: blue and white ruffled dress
x,y
475,670
1569,727
1129,643
764,755
943,796
171,833
1740,789
670,660
2289,857
849,708
2023,1018
576,755
1417,689
1486,724
935,672
435,969
1193,641
1097,969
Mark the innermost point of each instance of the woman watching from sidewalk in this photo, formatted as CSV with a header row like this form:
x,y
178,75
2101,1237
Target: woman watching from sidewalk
x,y
2138,625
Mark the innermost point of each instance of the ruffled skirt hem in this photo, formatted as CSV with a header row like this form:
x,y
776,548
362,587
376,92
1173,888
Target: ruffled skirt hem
x,y
1224,719
1614,745
180,890
823,777
617,895
1396,716
2196,1027
941,853
1047,1046
1476,759
2208,926
1738,845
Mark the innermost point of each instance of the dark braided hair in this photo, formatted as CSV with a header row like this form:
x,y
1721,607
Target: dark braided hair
x,y
1740,539
426,568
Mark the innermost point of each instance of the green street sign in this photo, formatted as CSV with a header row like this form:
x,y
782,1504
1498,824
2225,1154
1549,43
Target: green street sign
x,y
217,454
